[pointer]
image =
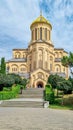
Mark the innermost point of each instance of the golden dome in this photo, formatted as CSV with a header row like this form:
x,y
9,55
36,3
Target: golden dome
x,y
41,19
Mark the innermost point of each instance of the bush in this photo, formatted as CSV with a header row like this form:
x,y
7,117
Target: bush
x,y
49,94
10,94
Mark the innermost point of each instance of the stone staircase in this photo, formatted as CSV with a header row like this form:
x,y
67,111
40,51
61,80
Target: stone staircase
x,y
32,93
32,97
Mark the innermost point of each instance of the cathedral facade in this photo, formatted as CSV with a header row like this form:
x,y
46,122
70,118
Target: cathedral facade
x,y
40,59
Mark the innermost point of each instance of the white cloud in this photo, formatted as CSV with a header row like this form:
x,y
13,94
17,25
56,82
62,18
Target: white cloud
x,y
17,15
60,13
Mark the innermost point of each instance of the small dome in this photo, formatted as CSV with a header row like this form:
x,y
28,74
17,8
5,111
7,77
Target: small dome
x,y
41,19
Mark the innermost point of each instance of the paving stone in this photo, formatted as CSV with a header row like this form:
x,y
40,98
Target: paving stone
x,y
35,119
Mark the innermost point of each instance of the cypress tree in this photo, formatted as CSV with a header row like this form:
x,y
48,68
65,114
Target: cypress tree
x,y
3,66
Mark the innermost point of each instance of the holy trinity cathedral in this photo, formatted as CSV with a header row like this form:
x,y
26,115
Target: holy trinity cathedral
x,y
40,59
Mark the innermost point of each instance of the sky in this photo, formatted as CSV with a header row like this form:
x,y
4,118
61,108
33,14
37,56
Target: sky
x,y
16,17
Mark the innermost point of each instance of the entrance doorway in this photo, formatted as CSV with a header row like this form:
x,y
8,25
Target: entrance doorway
x,y
39,85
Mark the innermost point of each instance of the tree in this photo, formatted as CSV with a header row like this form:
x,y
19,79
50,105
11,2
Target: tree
x,y
24,82
3,66
71,80
68,61
16,78
65,86
53,80
60,83
1,82
6,81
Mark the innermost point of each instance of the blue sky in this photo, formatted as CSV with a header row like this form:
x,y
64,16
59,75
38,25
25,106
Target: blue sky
x,y
17,15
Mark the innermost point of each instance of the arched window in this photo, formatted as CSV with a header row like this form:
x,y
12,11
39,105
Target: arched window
x,y
35,33
57,68
41,33
18,56
14,69
15,56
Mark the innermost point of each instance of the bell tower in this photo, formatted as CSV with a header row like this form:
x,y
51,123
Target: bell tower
x,y
39,51
41,29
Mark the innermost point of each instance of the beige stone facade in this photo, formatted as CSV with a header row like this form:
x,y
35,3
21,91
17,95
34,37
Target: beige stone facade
x,y
40,59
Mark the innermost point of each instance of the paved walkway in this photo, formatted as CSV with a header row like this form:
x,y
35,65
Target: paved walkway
x,y
25,99
35,119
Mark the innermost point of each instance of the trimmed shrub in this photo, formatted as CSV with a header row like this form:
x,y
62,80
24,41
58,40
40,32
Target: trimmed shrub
x,y
49,94
10,94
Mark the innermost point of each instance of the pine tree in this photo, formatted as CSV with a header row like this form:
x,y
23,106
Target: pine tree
x,y
3,66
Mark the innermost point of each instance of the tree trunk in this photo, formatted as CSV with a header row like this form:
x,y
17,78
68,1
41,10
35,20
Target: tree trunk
x,y
62,103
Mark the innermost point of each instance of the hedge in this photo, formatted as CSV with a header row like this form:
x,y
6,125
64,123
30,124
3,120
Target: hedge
x,y
10,94
49,94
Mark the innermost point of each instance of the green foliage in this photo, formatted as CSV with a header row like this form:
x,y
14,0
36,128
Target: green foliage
x,y
64,61
24,82
3,66
71,80
10,79
1,82
65,86
68,61
6,80
16,78
54,79
60,83
10,94
49,94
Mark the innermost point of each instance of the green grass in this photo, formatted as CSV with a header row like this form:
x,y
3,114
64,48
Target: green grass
x,y
62,107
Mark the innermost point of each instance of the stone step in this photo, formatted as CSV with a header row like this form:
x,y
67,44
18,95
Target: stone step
x,y
29,98
29,103
31,93
34,96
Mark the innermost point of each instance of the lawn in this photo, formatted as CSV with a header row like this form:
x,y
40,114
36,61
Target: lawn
x,y
63,107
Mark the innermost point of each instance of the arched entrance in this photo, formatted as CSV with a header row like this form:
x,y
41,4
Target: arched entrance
x,y
40,85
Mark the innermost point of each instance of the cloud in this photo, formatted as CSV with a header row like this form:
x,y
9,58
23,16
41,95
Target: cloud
x,y
17,15
60,14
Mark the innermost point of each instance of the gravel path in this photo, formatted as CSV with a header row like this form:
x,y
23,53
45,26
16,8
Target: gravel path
x,y
35,119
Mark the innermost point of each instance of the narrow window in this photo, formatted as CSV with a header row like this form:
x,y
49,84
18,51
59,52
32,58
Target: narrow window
x,y
45,33
35,33
32,34
40,33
